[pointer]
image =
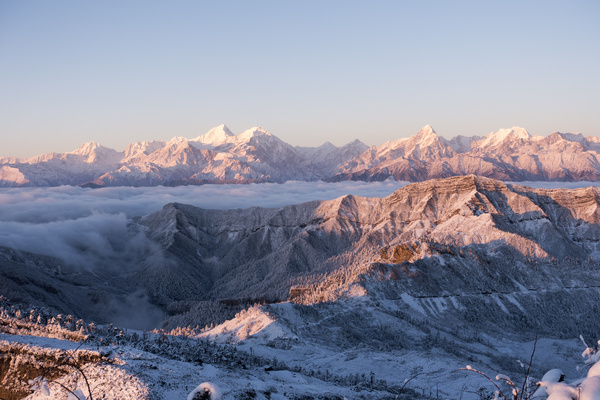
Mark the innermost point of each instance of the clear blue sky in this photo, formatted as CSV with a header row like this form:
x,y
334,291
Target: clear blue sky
x,y
307,71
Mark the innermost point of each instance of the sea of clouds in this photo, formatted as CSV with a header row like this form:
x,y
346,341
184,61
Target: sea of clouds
x,y
83,226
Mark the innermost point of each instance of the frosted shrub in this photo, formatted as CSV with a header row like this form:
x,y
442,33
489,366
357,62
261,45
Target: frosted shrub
x,y
205,391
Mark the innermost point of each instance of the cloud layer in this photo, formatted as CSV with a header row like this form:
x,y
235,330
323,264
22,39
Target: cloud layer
x,y
89,226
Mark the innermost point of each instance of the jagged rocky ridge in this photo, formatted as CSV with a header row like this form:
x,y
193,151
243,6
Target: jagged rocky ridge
x,y
440,249
256,155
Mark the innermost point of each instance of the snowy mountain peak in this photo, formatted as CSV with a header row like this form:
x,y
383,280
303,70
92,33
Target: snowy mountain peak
x,y
424,138
216,136
325,147
357,142
92,152
427,130
427,136
255,131
134,151
177,140
259,130
494,138
572,137
87,148
462,144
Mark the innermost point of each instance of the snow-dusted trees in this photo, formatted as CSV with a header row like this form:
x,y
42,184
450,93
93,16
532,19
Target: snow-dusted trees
x,y
552,385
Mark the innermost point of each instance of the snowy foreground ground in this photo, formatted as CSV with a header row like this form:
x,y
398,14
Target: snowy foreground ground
x,y
138,365
136,374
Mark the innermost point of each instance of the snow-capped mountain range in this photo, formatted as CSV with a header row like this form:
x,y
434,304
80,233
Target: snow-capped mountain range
x,y
219,156
508,154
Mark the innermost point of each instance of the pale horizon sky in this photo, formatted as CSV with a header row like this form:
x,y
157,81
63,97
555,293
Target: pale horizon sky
x,y
308,72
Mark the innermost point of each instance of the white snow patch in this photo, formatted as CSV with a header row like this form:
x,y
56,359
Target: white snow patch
x,y
590,389
412,302
511,298
500,303
255,323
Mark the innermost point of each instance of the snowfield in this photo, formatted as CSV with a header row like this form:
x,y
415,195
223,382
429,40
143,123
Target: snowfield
x,y
261,365
128,374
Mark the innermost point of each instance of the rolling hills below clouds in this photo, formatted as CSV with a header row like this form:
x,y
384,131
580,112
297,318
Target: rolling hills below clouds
x,y
219,156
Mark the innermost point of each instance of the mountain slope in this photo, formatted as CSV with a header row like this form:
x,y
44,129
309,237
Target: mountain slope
x,y
439,274
100,295
460,237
